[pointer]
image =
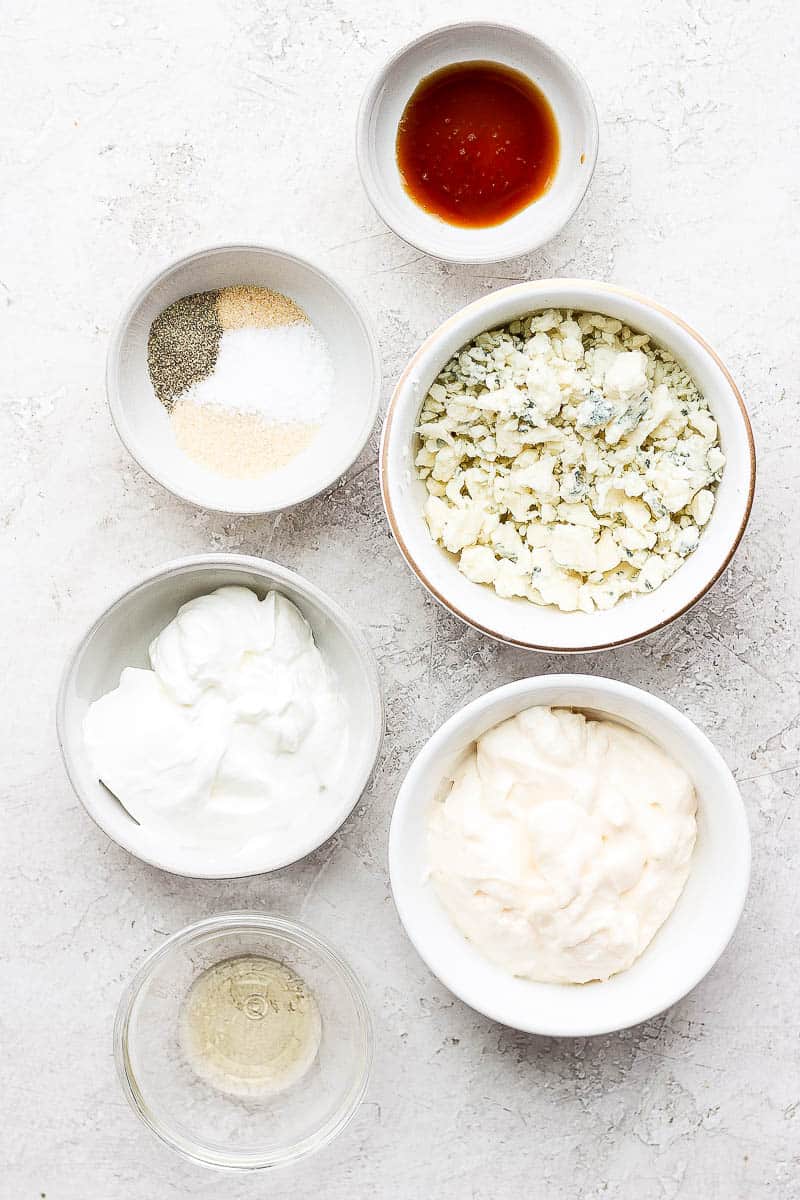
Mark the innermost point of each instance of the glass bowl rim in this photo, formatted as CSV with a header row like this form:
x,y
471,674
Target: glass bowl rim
x,y
247,1160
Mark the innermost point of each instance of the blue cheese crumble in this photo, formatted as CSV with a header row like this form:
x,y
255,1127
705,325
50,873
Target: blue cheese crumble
x,y
568,460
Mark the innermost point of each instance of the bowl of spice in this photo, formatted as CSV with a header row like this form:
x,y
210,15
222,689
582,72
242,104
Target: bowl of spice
x,y
243,379
477,142
244,1042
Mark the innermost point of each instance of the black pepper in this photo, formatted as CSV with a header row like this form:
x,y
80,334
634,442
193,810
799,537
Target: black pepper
x,y
183,345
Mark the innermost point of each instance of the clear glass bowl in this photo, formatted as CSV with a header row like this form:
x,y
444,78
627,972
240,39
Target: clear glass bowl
x,y
194,1117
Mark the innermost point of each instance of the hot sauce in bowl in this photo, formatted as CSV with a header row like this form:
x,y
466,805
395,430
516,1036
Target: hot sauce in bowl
x,y
477,143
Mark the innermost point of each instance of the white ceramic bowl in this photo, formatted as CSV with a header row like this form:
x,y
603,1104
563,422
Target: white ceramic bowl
x,y
143,423
519,621
382,107
684,949
120,637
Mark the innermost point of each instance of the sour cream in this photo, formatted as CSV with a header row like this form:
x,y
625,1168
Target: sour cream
x,y
237,735
561,844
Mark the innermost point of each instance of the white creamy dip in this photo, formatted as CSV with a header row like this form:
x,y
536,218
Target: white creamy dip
x,y
562,844
236,735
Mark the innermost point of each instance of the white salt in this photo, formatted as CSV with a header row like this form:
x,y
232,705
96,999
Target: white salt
x,y
283,374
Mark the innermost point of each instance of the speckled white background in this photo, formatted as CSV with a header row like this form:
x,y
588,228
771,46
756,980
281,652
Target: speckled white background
x,y
132,132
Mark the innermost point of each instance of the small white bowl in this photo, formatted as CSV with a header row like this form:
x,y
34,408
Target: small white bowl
x,y
685,948
143,423
388,93
120,638
519,621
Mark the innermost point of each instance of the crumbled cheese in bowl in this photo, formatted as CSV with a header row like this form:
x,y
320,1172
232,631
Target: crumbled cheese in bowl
x,y
568,460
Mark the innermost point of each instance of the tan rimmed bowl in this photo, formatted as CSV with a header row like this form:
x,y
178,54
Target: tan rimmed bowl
x,y
519,621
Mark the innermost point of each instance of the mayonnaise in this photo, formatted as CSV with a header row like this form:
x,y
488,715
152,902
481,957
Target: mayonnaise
x,y
237,734
562,845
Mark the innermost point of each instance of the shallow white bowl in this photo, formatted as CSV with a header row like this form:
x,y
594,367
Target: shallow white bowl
x,y
390,90
120,638
143,423
519,621
684,949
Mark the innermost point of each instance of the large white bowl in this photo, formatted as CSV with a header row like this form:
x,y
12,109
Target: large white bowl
x,y
143,423
120,638
684,949
519,621
390,90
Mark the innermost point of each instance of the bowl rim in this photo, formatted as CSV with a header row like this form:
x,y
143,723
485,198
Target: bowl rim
x,y
603,686
228,922
138,295
530,289
272,573
525,244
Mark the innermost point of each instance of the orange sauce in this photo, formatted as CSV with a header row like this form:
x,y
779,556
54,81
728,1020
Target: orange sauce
x,y
477,142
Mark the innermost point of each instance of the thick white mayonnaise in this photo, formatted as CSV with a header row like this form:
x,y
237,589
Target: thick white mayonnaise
x,y
237,734
562,844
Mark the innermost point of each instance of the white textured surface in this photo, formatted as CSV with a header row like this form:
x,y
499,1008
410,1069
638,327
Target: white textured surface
x,y
134,132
